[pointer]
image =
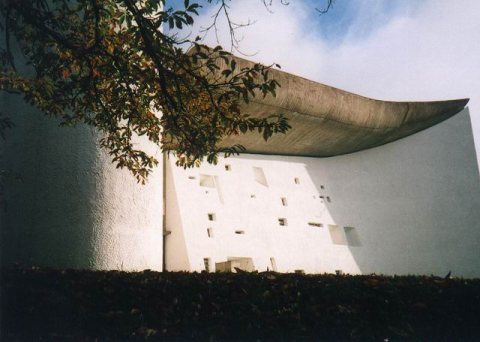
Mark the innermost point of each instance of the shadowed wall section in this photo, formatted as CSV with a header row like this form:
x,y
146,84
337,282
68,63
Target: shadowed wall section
x,y
415,203
63,203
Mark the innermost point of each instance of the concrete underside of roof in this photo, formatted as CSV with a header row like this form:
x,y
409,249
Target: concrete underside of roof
x,y
327,121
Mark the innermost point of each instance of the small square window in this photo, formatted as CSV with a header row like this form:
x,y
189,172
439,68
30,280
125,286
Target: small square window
x,y
284,201
212,217
296,180
282,221
207,181
352,236
337,235
322,187
253,196
228,167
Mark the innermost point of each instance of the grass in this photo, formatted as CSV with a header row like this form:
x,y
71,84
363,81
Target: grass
x,y
42,303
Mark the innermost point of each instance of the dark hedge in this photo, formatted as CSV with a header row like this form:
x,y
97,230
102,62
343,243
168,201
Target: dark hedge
x,y
40,303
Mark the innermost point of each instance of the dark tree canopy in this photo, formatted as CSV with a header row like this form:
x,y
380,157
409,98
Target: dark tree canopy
x,y
108,63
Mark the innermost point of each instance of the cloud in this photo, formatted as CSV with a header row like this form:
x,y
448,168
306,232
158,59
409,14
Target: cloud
x,y
405,51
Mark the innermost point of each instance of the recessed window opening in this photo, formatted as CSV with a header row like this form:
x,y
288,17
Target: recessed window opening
x,y
228,167
296,180
210,181
274,264
284,201
207,181
206,263
337,235
212,217
352,237
192,177
328,199
282,221
259,176
322,187
253,196
210,232
315,224
240,232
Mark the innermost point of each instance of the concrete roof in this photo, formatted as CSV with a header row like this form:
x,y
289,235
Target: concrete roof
x,y
327,121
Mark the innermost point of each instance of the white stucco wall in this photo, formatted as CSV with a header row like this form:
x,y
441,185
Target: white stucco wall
x,y
414,206
65,205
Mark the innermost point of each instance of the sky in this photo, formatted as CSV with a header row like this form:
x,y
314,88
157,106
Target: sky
x,y
385,49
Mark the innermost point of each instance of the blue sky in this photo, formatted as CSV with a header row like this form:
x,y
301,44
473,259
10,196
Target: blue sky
x,y
334,26
386,49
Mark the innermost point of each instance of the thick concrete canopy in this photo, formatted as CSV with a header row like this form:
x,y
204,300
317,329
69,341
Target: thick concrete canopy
x,y
327,121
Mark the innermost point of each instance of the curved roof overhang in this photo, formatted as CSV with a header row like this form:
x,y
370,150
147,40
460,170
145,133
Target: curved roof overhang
x,y
327,121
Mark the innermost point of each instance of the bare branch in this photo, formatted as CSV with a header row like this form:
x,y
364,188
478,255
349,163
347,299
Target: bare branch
x,y
327,8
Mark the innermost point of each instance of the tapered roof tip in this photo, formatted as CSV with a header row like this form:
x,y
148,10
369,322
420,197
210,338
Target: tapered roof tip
x,y
327,121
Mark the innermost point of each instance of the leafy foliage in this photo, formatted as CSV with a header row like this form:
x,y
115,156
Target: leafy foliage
x,y
108,64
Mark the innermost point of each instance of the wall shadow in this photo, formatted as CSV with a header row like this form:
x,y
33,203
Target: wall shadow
x,y
48,197
414,203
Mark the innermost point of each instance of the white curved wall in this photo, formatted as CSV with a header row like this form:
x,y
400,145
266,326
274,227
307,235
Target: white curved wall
x,y
414,206
64,203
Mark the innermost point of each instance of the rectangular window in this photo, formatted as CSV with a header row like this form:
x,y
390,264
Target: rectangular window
x,y
207,181
191,177
328,199
274,264
284,201
315,224
228,167
337,235
212,217
240,232
282,221
210,232
296,180
206,263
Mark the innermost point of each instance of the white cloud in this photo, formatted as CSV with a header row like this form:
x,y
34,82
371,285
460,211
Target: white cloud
x,y
420,52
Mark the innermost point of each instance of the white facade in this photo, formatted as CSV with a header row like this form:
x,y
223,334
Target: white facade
x,y
408,207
